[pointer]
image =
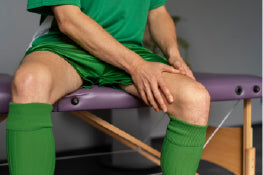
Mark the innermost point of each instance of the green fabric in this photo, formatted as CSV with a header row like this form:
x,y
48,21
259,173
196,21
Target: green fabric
x,y
29,139
156,3
43,6
91,69
125,20
182,147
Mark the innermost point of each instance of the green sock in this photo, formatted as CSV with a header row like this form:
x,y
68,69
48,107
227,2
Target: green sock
x,y
29,139
182,147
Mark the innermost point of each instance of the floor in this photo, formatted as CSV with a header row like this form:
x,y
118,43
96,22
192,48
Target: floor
x,y
99,165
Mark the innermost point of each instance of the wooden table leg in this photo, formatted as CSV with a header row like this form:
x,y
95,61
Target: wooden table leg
x,y
123,137
248,150
213,151
130,141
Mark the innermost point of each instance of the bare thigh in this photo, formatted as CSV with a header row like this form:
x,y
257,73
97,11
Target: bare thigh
x,y
191,99
175,83
44,77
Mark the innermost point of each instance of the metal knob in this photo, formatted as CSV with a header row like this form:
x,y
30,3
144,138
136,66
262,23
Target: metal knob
x,y
75,101
256,89
239,90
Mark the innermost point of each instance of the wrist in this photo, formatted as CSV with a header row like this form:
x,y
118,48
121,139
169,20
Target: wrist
x,y
134,65
172,52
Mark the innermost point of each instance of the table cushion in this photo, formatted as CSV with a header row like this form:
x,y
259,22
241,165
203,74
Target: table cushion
x,y
5,92
98,98
222,87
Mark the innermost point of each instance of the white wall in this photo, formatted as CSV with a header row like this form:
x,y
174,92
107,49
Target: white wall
x,y
224,36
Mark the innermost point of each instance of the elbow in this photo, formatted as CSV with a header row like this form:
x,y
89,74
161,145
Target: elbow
x,y
65,27
66,16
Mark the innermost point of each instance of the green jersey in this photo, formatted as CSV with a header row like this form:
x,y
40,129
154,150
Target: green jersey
x,y
125,20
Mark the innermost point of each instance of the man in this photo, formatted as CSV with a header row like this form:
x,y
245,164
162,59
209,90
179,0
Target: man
x,y
85,42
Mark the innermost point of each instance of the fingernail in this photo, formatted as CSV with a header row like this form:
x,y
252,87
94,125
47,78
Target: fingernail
x,y
171,99
164,109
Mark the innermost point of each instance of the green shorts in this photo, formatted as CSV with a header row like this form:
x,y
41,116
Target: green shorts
x,y
92,70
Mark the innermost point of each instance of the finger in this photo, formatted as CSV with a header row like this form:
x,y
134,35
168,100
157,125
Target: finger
x,y
193,76
158,96
189,73
150,97
166,91
182,67
170,69
143,96
179,68
178,65
186,70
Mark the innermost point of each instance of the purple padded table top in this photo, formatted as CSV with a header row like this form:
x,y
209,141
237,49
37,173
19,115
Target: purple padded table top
x,y
222,87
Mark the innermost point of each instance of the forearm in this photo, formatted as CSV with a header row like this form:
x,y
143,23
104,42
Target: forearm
x,y
93,38
146,75
163,31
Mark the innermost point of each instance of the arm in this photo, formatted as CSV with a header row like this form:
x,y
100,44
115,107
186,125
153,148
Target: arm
x,y
93,38
163,32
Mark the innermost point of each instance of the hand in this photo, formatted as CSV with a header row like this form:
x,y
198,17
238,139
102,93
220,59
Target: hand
x,y
147,77
179,64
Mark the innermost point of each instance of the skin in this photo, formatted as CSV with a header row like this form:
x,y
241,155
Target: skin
x,y
44,77
172,89
105,47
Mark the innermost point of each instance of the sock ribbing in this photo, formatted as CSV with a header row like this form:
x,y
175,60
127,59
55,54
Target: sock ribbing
x,y
29,116
185,134
29,139
182,147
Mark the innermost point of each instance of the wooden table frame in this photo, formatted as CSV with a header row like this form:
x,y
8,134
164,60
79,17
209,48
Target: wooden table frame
x,y
232,148
225,149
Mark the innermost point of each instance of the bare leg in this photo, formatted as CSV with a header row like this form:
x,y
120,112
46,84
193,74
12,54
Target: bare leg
x,y
186,132
44,77
191,99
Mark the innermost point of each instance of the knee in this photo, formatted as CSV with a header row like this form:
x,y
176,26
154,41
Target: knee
x,y
30,81
195,101
197,95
